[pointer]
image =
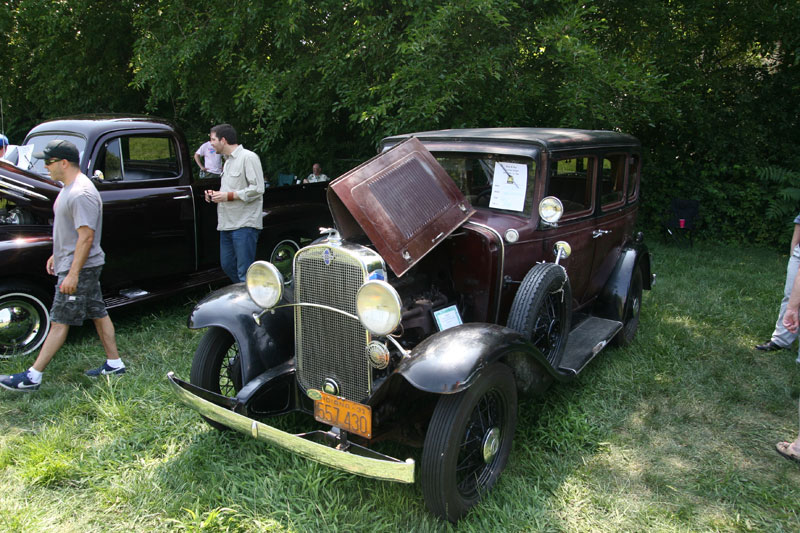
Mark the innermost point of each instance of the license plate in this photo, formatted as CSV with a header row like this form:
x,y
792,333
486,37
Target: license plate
x,y
349,416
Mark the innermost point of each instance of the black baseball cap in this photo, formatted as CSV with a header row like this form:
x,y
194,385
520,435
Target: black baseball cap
x,y
59,149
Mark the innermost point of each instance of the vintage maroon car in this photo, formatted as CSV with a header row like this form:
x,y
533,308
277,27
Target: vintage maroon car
x,y
466,266
159,235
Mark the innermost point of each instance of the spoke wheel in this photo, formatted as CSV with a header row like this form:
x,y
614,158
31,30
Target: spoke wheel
x,y
542,310
24,319
282,257
217,366
468,443
630,315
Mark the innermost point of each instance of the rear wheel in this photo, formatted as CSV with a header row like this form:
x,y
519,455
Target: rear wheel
x,y
217,366
24,319
468,443
633,305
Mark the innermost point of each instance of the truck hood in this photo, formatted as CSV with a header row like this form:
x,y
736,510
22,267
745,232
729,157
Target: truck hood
x,y
26,188
402,200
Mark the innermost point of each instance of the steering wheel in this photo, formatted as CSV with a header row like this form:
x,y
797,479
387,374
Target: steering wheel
x,y
482,199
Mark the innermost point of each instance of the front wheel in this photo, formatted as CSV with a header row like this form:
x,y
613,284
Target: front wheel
x,y
217,366
24,319
468,443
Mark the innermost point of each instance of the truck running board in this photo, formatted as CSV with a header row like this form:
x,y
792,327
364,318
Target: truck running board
x,y
585,341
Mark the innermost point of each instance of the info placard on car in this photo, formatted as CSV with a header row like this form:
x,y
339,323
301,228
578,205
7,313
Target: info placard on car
x,y
349,416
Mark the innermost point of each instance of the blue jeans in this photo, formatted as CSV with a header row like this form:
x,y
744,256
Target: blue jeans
x,y
237,251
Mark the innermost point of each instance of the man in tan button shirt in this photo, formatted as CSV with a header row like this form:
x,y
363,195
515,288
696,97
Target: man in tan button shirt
x,y
239,202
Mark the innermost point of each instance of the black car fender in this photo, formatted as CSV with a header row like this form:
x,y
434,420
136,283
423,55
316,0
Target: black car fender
x,y
611,301
24,251
450,361
263,343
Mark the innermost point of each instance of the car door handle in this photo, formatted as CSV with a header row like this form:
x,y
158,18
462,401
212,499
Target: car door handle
x,y
599,233
184,197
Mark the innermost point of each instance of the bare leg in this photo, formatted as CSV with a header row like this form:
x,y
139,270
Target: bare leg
x,y
796,443
54,341
105,330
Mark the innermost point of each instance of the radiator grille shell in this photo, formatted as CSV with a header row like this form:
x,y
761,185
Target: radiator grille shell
x,y
330,345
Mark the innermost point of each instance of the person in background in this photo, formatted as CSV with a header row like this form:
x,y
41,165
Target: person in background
x,y
316,175
239,202
209,161
791,450
781,337
3,146
77,260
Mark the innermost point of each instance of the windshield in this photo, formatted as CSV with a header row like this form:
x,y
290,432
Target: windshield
x,y
498,182
37,144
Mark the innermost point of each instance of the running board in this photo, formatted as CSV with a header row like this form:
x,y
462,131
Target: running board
x,y
585,341
165,287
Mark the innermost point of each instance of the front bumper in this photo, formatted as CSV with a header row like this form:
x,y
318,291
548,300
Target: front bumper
x,y
326,447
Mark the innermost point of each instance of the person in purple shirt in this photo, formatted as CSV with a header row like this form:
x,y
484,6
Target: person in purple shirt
x,y
209,161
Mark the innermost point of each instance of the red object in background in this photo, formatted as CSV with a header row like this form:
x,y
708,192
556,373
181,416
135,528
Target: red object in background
x,y
682,222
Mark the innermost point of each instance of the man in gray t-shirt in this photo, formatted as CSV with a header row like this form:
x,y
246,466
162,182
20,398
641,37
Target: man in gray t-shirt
x,y
77,260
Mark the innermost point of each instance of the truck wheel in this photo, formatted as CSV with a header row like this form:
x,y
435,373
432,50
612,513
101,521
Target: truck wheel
x,y
630,315
24,319
542,309
217,366
468,443
282,256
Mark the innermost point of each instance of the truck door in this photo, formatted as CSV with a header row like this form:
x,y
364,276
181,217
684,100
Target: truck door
x,y
148,208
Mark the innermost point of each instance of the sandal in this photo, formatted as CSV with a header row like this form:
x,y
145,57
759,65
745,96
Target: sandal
x,y
783,449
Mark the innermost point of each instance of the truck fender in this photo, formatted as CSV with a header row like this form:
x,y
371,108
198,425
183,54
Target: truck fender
x,y
263,344
451,361
611,302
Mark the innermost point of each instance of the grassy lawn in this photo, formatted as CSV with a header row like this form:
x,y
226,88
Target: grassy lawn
x,y
674,433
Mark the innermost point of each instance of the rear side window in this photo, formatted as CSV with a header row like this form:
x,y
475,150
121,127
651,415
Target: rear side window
x,y
572,182
634,169
612,180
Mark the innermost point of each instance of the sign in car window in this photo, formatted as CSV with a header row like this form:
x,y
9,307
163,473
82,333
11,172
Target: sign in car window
x,y
509,186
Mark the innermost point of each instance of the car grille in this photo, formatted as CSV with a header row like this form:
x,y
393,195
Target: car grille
x,y
329,345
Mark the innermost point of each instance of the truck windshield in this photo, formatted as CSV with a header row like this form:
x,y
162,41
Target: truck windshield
x,y
37,144
498,182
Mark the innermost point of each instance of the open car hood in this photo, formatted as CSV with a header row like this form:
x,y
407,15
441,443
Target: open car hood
x,y
26,188
402,200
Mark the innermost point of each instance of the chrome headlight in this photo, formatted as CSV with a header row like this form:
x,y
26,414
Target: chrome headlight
x,y
551,209
379,307
264,284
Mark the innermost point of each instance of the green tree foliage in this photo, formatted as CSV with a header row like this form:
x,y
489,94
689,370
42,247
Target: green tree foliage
x,y
711,87
62,58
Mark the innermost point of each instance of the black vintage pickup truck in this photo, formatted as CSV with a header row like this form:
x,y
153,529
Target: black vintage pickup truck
x,y
159,234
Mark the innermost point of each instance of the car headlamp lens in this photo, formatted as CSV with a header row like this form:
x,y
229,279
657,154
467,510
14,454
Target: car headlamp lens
x,y
264,284
551,209
379,307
